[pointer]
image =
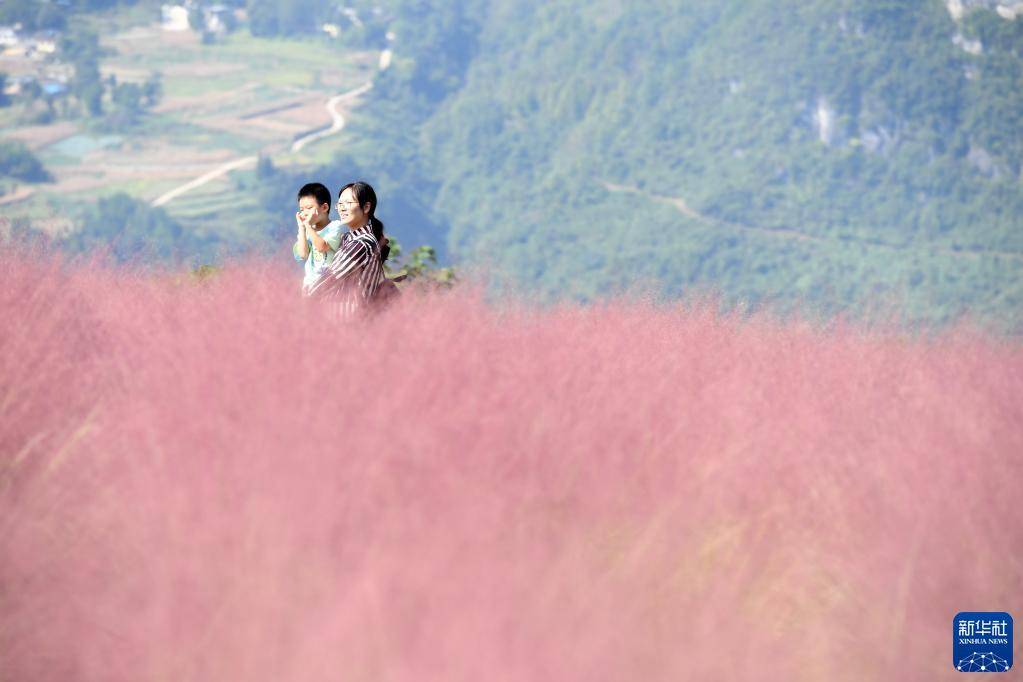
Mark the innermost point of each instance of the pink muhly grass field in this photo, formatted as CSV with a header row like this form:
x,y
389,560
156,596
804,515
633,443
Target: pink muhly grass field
x,y
214,481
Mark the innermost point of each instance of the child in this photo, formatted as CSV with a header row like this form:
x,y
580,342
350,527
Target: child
x,y
318,237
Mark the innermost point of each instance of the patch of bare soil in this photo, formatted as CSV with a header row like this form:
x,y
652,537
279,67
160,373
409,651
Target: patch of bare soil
x,y
267,123
37,137
203,69
309,115
204,102
18,65
159,162
144,37
20,194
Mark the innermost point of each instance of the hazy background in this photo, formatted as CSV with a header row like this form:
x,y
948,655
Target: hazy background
x,y
845,156
205,477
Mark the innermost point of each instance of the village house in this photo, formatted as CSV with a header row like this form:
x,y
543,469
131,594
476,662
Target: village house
x,y
45,42
174,17
9,36
216,19
15,43
18,83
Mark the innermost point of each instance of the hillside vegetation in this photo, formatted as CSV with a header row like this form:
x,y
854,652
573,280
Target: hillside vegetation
x,y
836,155
146,111
845,154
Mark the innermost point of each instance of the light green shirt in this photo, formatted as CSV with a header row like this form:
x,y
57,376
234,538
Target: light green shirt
x,y
317,262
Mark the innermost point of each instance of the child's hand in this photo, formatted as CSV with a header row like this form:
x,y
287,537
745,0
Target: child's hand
x,y
302,221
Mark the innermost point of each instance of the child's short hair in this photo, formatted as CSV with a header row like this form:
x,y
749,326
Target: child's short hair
x,y
316,191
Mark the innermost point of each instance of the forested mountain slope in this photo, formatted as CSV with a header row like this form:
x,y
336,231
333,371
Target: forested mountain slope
x,y
845,154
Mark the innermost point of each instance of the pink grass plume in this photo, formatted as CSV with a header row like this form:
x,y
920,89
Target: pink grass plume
x,y
214,481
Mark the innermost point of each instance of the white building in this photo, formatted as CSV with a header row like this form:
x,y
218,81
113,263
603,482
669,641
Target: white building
x,y
217,18
1007,9
46,41
9,36
1010,12
174,17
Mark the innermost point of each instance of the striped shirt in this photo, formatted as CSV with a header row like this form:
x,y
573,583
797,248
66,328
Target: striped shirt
x,y
354,274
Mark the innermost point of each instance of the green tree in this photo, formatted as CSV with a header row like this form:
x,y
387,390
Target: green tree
x,y
419,265
265,169
127,99
81,48
132,230
17,161
30,91
197,18
262,18
19,12
509,118
268,18
51,16
152,89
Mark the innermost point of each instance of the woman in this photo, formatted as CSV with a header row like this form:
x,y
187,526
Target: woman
x,y
357,270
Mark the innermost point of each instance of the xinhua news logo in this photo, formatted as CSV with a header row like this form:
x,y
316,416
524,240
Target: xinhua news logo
x,y
982,642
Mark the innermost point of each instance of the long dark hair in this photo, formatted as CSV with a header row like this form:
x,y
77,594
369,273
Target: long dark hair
x,y
364,194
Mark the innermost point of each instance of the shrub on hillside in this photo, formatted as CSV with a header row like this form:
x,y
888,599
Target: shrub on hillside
x,y
17,161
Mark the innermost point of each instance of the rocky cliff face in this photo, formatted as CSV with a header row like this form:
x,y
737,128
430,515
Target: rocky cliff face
x,y
1007,10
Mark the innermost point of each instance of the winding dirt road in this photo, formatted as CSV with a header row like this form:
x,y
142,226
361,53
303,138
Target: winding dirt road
x,y
338,119
337,124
